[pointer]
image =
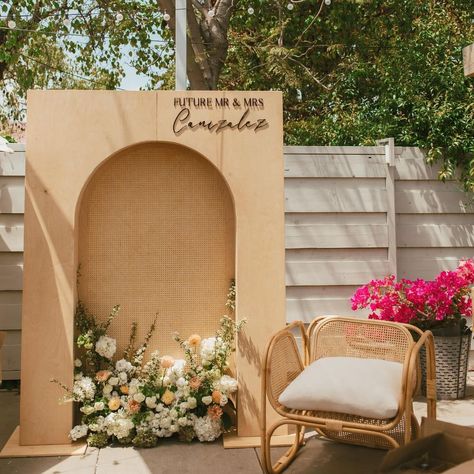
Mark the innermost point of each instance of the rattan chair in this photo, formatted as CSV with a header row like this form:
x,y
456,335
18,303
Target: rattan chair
x,y
335,336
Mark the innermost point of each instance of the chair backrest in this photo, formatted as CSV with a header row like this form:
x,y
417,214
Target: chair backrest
x,y
362,338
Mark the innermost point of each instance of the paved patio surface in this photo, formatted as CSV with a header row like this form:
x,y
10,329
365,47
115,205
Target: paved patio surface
x,y
171,457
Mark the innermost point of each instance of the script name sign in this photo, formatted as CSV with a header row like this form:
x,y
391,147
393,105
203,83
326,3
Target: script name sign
x,y
246,118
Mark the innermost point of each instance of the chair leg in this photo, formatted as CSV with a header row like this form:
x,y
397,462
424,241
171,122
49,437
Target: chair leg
x,y
290,454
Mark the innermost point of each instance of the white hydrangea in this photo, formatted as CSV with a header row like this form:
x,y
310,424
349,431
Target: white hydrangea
x,y
226,384
83,389
181,382
223,401
106,346
208,350
123,365
206,428
162,424
107,390
79,431
123,377
98,424
77,363
113,381
118,424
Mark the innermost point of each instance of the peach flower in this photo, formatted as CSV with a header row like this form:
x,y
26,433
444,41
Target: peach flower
x,y
216,396
114,403
133,406
195,383
168,397
124,389
214,412
194,340
167,362
102,375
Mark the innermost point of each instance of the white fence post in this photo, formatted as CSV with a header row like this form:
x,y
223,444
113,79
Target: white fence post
x,y
389,144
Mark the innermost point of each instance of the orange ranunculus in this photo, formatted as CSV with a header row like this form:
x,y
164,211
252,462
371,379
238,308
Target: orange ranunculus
x,y
124,389
168,397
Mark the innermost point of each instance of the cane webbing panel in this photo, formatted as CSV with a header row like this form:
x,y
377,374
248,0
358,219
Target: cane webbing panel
x,y
362,339
156,235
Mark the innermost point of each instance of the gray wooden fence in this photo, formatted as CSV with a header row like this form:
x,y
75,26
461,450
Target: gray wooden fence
x,y
352,214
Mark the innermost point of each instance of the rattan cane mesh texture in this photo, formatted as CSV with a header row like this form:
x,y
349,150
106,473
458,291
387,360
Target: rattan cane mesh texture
x,y
286,365
156,232
358,339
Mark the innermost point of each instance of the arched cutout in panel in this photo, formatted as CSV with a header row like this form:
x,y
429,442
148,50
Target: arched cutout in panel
x,y
157,235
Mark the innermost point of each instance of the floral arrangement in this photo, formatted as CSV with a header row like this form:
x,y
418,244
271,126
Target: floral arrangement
x,y
440,304
137,403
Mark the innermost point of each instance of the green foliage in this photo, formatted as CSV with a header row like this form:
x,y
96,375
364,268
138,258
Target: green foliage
x,y
362,71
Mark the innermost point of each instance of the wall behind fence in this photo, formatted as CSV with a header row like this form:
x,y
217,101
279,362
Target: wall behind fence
x,y
350,217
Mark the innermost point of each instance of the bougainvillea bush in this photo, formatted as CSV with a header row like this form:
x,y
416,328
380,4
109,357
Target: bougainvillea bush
x,y
439,304
123,399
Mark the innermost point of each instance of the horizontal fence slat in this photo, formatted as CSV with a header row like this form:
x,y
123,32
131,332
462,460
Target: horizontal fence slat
x,y
310,218
11,357
337,150
12,195
11,239
334,272
336,236
11,277
435,235
334,166
12,164
430,200
10,317
308,195
306,310
322,254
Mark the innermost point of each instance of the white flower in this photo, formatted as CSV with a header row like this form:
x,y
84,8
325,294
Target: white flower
x,y
174,428
226,384
150,402
133,386
192,403
118,424
123,365
99,406
183,406
181,382
139,397
206,428
207,400
78,363
113,381
106,346
87,410
123,377
160,407
223,401
183,421
83,389
173,414
79,431
107,390
98,425
208,349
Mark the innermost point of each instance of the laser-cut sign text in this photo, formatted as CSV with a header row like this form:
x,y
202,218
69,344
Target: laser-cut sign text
x,y
186,120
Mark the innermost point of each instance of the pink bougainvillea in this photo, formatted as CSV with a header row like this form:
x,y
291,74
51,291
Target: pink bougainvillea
x,y
441,302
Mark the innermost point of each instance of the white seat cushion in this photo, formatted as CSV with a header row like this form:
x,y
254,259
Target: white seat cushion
x,y
364,387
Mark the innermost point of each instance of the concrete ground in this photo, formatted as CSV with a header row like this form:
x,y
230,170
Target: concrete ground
x,y
171,457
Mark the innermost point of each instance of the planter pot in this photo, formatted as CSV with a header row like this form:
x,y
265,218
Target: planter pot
x,y
451,356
